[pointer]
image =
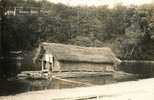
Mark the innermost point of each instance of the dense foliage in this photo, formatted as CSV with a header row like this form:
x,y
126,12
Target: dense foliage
x,y
129,31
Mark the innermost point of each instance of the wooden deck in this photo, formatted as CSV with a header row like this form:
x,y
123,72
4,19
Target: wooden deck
x,y
47,75
134,90
81,74
34,75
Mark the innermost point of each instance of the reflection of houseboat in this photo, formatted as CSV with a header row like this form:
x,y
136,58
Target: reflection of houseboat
x,y
68,58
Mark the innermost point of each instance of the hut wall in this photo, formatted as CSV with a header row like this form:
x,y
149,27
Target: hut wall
x,y
56,66
83,66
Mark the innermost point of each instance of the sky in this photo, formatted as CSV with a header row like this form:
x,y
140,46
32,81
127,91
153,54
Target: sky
x,y
111,3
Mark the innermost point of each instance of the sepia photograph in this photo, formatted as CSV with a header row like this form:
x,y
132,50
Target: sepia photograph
x,y
76,49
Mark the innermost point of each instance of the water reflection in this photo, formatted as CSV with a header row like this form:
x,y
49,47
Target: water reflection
x,y
19,86
14,87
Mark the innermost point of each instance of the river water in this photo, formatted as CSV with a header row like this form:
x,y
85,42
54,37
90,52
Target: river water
x,y
13,87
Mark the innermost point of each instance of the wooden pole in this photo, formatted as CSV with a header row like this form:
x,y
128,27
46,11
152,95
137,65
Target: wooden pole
x,y
42,65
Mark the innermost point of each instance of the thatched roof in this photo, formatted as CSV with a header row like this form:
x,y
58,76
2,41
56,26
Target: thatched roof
x,y
64,52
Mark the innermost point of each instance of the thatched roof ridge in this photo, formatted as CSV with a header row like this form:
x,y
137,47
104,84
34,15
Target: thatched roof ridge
x,y
64,52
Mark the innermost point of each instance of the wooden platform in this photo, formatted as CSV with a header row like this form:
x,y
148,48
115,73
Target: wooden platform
x,y
135,90
34,75
46,75
80,74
